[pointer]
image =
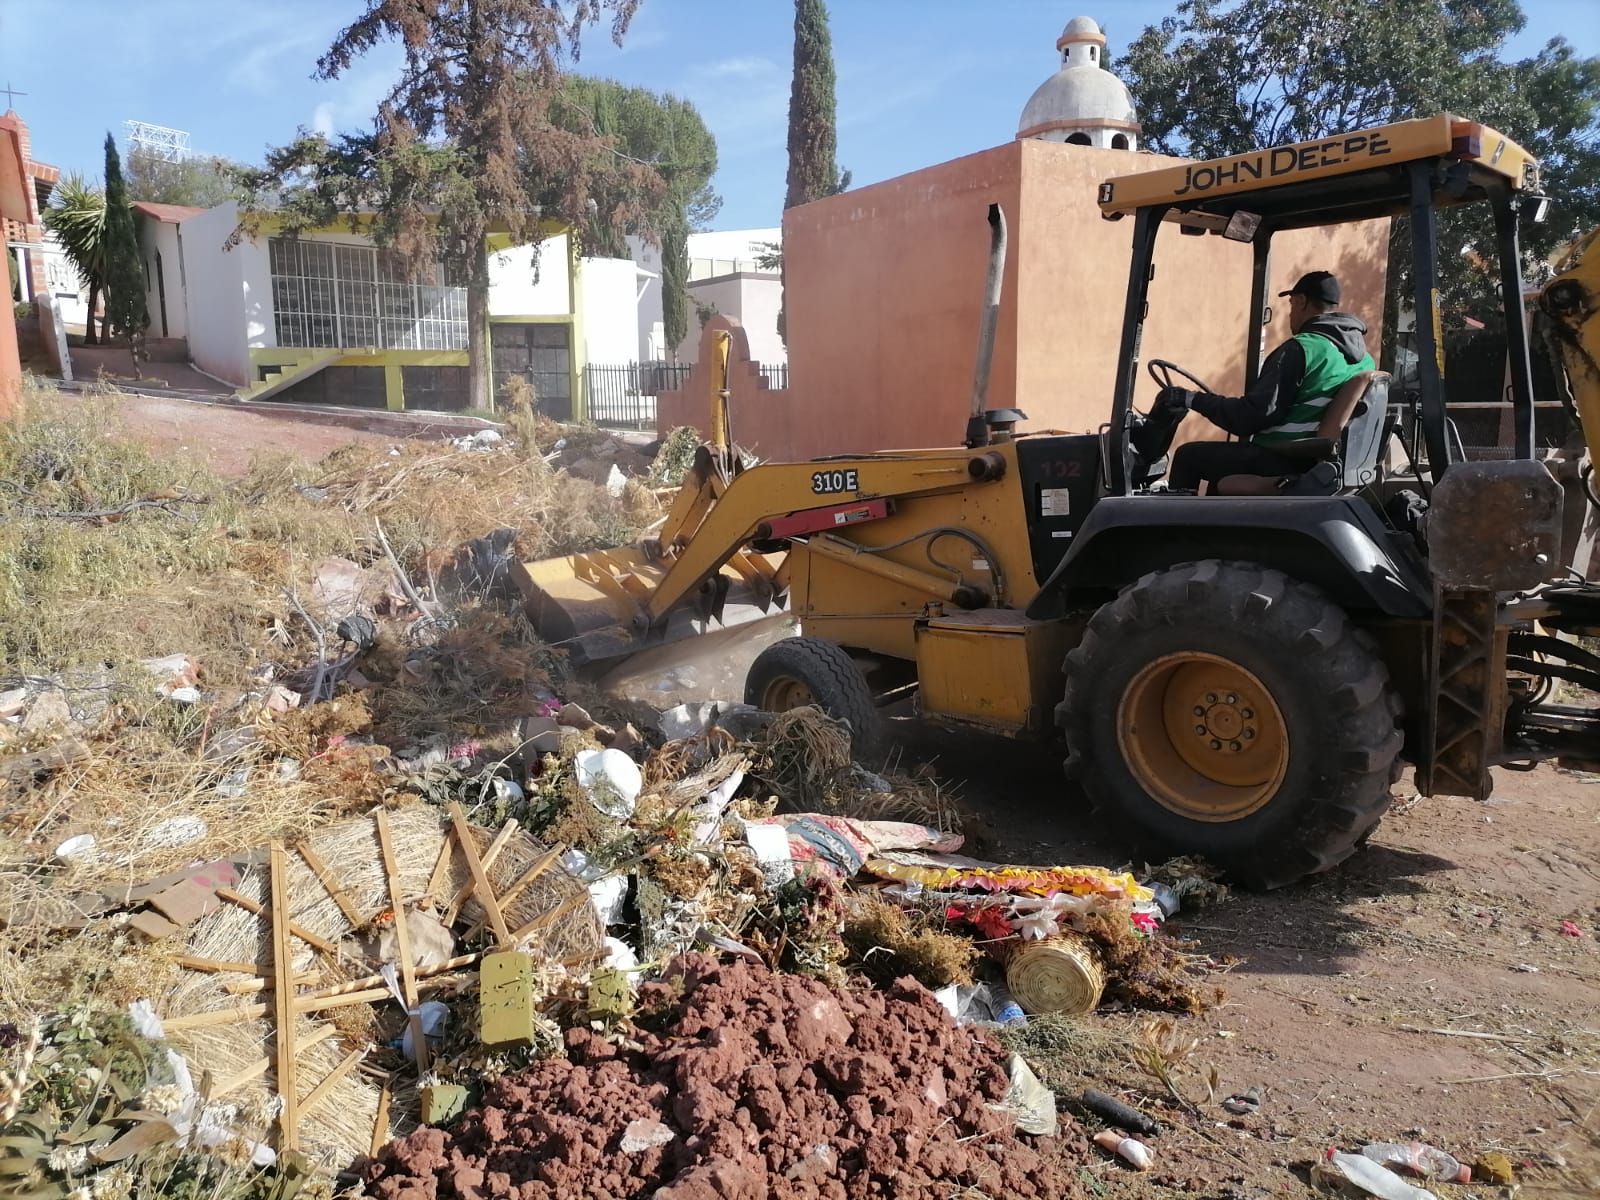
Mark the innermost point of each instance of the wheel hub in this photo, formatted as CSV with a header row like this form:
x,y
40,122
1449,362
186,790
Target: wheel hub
x,y
1203,736
785,692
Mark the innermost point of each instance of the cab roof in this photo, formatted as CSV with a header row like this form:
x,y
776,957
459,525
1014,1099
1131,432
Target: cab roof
x,y
1348,177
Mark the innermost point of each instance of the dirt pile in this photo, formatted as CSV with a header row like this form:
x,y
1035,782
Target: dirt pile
x,y
736,1084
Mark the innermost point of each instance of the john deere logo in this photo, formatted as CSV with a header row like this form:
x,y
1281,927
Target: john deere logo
x,y
1285,160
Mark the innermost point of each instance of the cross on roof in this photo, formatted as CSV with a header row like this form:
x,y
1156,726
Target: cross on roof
x,y
11,93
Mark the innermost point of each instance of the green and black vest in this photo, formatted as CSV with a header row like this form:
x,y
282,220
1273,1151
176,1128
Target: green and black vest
x,y
1327,370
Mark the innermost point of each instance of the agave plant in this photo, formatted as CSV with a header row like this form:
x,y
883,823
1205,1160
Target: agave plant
x,y
77,216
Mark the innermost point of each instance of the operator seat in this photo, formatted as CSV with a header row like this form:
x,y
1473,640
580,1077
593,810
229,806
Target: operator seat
x,y
1343,455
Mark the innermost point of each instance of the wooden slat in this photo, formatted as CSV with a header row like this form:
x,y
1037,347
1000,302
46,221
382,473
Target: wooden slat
x,y
284,1017
330,882
320,1092
485,891
254,987
551,917
408,970
372,981
216,966
489,857
314,940
539,867
441,868
217,1016
380,1127
366,990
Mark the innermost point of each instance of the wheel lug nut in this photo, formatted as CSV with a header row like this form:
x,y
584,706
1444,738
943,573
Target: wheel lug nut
x,y
1232,699
1199,710
1249,733
1235,747
1247,714
1211,697
1216,745
1200,729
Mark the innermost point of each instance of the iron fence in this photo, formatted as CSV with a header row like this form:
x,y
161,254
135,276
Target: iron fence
x,y
625,395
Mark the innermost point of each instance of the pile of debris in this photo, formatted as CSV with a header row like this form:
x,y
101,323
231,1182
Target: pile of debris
x,y
365,858
736,1083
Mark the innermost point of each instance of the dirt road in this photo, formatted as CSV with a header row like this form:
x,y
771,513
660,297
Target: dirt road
x,y
230,437
1427,985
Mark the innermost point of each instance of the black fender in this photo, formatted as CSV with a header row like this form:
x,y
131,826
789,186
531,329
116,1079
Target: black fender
x,y
1337,543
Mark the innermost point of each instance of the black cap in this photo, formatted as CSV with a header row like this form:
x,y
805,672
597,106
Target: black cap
x,y
1320,286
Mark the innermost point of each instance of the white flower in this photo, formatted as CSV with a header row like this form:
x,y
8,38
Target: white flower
x,y
261,1109
1041,924
115,1184
163,1100
68,1159
80,1193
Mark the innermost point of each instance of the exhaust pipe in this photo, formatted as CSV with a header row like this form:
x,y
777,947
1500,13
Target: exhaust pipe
x,y
977,426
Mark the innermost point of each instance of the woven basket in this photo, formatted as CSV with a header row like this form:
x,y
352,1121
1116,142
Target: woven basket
x,y
1061,974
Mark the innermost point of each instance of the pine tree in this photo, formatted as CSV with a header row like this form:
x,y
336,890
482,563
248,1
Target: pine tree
x,y
126,314
813,125
668,134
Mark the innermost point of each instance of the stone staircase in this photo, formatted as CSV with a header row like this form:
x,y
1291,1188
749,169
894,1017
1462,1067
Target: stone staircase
x,y
275,379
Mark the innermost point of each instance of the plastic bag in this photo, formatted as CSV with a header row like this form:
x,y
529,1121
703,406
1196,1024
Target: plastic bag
x,y
1030,1103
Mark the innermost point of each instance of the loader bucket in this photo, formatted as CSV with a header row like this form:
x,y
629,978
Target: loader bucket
x,y
593,605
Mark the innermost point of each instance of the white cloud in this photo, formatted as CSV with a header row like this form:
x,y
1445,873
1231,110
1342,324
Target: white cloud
x,y
744,100
745,67
264,66
355,98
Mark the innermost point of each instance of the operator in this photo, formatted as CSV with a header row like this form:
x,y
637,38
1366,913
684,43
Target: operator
x,y
1296,383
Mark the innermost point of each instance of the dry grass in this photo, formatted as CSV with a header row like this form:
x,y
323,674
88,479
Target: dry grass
x,y
181,560
201,564
887,942
806,762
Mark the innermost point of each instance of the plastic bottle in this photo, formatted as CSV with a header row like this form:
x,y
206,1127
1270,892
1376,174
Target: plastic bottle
x,y
1006,1010
1368,1176
1135,1153
1418,1158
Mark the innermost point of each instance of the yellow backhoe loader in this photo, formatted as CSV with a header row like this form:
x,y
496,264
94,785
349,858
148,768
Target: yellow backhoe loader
x,y
1235,675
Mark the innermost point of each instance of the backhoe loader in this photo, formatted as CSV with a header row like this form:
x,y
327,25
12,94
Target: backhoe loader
x,y
1235,675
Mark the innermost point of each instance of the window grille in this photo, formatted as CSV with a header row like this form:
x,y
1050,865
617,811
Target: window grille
x,y
328,295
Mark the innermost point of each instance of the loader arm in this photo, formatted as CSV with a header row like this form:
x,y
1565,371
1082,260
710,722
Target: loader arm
x,y
765,493
1572,303
700,566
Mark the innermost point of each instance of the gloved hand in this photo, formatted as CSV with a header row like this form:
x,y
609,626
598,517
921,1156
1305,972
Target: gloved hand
x,y
1175,398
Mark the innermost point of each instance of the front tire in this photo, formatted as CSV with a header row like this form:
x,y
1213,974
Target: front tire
x,y
1226,710
801,671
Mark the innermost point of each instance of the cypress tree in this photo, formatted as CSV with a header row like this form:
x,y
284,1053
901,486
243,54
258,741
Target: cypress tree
x,y
813,133
126,315
813,123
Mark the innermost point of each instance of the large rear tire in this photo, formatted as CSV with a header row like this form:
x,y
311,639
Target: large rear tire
x,y
798,671
1224,709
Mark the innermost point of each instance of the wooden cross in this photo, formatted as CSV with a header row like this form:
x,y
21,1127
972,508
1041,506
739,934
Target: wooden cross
x,y
11,94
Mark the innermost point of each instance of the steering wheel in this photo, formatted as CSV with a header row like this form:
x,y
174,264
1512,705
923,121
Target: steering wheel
x,y
1162,372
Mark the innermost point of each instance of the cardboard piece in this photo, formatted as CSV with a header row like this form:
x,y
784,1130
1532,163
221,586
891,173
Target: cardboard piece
x,y
152,926
186,901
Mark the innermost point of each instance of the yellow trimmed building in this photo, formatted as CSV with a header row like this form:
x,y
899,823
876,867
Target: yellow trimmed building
x,y
330,318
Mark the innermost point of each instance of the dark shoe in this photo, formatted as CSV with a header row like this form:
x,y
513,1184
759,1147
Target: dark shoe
x,y
1151,435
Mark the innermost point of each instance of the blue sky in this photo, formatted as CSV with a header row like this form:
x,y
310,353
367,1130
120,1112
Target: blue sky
x,y
920,81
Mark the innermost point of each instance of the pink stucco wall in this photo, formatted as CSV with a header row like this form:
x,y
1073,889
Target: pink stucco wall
x,y
885,290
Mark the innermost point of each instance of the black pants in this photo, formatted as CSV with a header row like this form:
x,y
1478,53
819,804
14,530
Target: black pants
x,y
1211,461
